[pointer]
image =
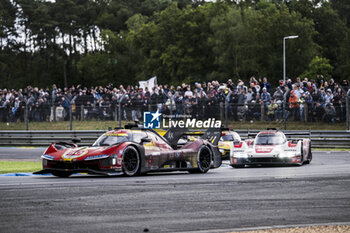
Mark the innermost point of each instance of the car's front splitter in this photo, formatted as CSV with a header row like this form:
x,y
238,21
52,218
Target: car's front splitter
x,y
82,170
268,160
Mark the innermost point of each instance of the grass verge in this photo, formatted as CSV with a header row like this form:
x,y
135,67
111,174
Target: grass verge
x,y
103,125
19,166
331,149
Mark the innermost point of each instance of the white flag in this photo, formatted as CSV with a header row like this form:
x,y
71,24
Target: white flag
x,y
150,83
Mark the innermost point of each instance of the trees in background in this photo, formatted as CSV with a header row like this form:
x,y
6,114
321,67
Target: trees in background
x,y
249,41
94,42
319,66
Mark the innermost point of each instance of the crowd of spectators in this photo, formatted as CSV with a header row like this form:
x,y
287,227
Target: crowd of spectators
x,y
305,100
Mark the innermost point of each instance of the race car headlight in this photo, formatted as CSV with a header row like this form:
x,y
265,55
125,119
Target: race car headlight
x,y
221,150
114,161
44,162
48,157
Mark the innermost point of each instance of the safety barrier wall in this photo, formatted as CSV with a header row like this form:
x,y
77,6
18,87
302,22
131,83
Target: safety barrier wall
x,y
320,138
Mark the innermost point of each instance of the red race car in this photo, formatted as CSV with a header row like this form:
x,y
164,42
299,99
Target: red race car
x,y
133,151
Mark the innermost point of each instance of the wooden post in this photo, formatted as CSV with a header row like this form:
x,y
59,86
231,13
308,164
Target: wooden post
x,y
347,112
82,112
116,113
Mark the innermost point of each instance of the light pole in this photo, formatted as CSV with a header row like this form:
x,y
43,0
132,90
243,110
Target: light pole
x,y
284,76
284,55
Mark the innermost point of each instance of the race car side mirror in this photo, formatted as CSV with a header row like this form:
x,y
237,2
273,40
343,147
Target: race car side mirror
x,y
145,140
76,140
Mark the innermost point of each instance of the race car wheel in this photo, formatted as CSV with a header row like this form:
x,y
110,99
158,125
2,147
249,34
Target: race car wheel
x,y
61,173
131,161
309,155
302,154
204,160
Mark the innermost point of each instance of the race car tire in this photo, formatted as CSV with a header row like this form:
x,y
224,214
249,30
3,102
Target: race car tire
x,y
238,166
61,173
309,155
131,161
302,154
204,160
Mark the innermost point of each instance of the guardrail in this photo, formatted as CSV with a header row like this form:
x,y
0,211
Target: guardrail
x,y
320,138
45,138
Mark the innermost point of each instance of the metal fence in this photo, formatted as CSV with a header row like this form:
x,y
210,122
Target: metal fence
x,y
319,138
127,110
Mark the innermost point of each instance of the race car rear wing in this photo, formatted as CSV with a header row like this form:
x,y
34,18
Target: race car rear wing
x,y
289,134
173,135
212,135
300,133
297,136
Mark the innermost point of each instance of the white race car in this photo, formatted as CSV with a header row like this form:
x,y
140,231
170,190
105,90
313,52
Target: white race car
x,y
270,147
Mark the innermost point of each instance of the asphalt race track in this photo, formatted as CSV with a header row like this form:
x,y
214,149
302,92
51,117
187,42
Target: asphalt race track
x,y
20,153
224,199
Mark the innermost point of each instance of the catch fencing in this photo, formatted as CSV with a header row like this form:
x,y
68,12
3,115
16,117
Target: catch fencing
x,y
227,111
319,138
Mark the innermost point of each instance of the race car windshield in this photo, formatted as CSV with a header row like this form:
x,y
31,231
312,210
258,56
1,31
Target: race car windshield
x,y
269,139
105,140
227,137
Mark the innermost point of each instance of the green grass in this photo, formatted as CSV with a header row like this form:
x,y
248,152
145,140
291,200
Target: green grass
x,y
103,125
19,166
331,149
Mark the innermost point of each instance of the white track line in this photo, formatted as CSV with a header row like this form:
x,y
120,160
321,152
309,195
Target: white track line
x,y
268,227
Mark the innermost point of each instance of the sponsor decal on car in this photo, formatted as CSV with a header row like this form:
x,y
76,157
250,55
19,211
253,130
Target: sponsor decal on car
x,y
116,134
290,149
73,154
263,149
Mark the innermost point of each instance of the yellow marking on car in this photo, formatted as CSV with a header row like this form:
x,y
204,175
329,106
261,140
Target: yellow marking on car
x,y
161,132
196,132
69,155
116,134
150,144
